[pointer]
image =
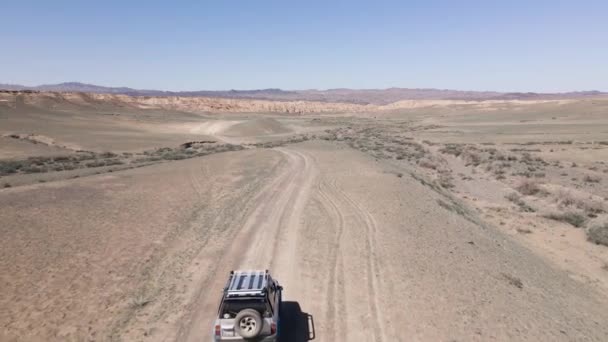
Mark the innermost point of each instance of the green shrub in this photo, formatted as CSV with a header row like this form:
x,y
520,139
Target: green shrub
x,y
598,234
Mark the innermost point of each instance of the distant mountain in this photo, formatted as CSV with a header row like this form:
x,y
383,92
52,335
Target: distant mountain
x,y
84,88
358,96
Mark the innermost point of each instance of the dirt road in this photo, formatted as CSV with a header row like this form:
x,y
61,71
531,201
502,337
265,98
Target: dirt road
x,y
365,252
365,255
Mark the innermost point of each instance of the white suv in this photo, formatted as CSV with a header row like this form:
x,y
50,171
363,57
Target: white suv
x,y
250,307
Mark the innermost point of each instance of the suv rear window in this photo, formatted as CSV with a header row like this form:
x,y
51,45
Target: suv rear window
x,y
233,306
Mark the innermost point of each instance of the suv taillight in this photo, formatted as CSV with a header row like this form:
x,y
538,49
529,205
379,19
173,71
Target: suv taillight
x,y
218,330
273,328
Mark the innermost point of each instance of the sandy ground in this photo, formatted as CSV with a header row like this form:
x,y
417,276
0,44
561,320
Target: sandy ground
x,y
369,247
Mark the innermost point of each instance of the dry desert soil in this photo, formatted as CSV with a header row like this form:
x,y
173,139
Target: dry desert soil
x,y
121,217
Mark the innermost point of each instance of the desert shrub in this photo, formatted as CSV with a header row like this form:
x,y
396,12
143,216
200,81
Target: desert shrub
x,y
114,162
231,147
566,199
108,155
453,207
38,161
61,158
445,180
174,156
453,149
8,167
523,206
33,169
591,206
573,218
512,196
513,280
591,179
427,163
472,158
6,185
95,163
598,234
528,188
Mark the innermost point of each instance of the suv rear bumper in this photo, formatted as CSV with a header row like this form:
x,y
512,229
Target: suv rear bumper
x,y
272,338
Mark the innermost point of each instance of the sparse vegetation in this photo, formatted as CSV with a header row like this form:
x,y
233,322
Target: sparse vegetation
x,y
94,160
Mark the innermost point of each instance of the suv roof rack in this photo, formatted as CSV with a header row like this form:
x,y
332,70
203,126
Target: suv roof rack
x,y
246,284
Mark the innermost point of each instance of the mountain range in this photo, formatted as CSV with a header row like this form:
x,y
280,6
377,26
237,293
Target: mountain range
x,y
359,96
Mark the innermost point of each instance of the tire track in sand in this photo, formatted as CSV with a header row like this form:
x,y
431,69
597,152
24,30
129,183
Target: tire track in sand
x,y
372,269
278,217
335,279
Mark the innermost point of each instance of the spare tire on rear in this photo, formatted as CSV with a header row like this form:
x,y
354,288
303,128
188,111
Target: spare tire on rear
x,y
248,323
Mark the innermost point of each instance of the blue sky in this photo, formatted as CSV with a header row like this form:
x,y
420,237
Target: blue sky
x,y
190,45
